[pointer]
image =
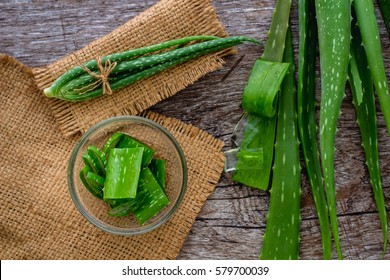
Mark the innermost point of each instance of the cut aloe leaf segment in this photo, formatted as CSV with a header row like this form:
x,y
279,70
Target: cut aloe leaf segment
x,y
123,169
127,141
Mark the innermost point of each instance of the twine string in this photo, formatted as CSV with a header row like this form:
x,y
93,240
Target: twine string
x,y
101,77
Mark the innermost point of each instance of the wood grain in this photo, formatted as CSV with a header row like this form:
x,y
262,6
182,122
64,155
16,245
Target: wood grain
x,y
232,221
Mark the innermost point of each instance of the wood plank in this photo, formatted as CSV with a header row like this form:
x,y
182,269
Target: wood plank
x,y
243,242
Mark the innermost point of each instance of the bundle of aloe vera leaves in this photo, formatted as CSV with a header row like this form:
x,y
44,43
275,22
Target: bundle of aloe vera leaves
x,y
280,115
112,72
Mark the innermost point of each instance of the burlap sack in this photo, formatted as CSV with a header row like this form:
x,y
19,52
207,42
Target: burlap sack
x,y
37,217
166,20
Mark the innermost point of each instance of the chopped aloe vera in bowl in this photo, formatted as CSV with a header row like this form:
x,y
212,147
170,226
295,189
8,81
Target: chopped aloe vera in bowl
x,y
126,175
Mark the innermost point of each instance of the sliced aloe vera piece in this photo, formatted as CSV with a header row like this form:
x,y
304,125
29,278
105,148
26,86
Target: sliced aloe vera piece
x,y
123,171
122,209
95,160
157,167
153,195
127,141
96,181
126,206
112,142
97,192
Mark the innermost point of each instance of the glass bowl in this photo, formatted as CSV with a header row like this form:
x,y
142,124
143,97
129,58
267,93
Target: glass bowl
x,y
166,147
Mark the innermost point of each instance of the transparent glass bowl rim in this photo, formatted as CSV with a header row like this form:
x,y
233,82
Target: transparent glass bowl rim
x,y
71,184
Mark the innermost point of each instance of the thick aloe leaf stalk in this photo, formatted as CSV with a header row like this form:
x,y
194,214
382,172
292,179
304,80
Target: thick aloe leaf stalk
x,y
371,41
361,83
308,41
281,238
334,32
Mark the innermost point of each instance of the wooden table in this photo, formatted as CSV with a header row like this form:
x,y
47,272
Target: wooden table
x,y
232,221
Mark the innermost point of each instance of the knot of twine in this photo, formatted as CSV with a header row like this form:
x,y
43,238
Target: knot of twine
x,y
101,77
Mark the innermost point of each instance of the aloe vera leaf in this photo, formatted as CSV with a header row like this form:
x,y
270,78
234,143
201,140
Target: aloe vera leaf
x,y
259,97
264,136
127,141
384,6
274,47
368,26
281,238
354,77
154,198
259,134
308,41
334,32
123,171
112,142
95,160
366,119
83,177
92,64
147,61
157,167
